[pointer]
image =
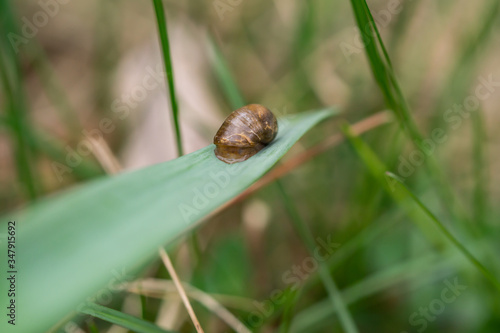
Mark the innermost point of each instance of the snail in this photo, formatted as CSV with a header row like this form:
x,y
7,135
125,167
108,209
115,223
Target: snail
x,y
244,133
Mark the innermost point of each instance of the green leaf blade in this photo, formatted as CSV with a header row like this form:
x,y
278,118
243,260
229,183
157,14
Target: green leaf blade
x,y
72,245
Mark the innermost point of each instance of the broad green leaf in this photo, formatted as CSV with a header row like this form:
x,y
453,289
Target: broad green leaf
x,y
87,241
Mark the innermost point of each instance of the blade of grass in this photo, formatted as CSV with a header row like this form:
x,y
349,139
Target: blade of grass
x,y
45,144
304,33
402,23
122,319
365,192
446,233
52,86
224,76
302,46
403,193
288,309
106,51
410,271
374,283
16,118
167,60
378,169
56,231
162,29
93,328
465,68
381,66
376,63
480,168
17,110
38,142
144,303
368,235
329,283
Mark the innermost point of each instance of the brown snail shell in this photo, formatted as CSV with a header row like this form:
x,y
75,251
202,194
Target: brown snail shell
x,y
244,133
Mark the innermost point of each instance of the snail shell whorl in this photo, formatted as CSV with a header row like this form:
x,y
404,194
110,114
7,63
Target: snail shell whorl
x,y
244,133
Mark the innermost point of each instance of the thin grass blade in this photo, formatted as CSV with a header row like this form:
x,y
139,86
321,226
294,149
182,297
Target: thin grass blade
x,y
446,233
331,287
165,46
122,319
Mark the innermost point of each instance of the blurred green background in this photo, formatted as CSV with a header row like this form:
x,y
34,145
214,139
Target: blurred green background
x,y
65,71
